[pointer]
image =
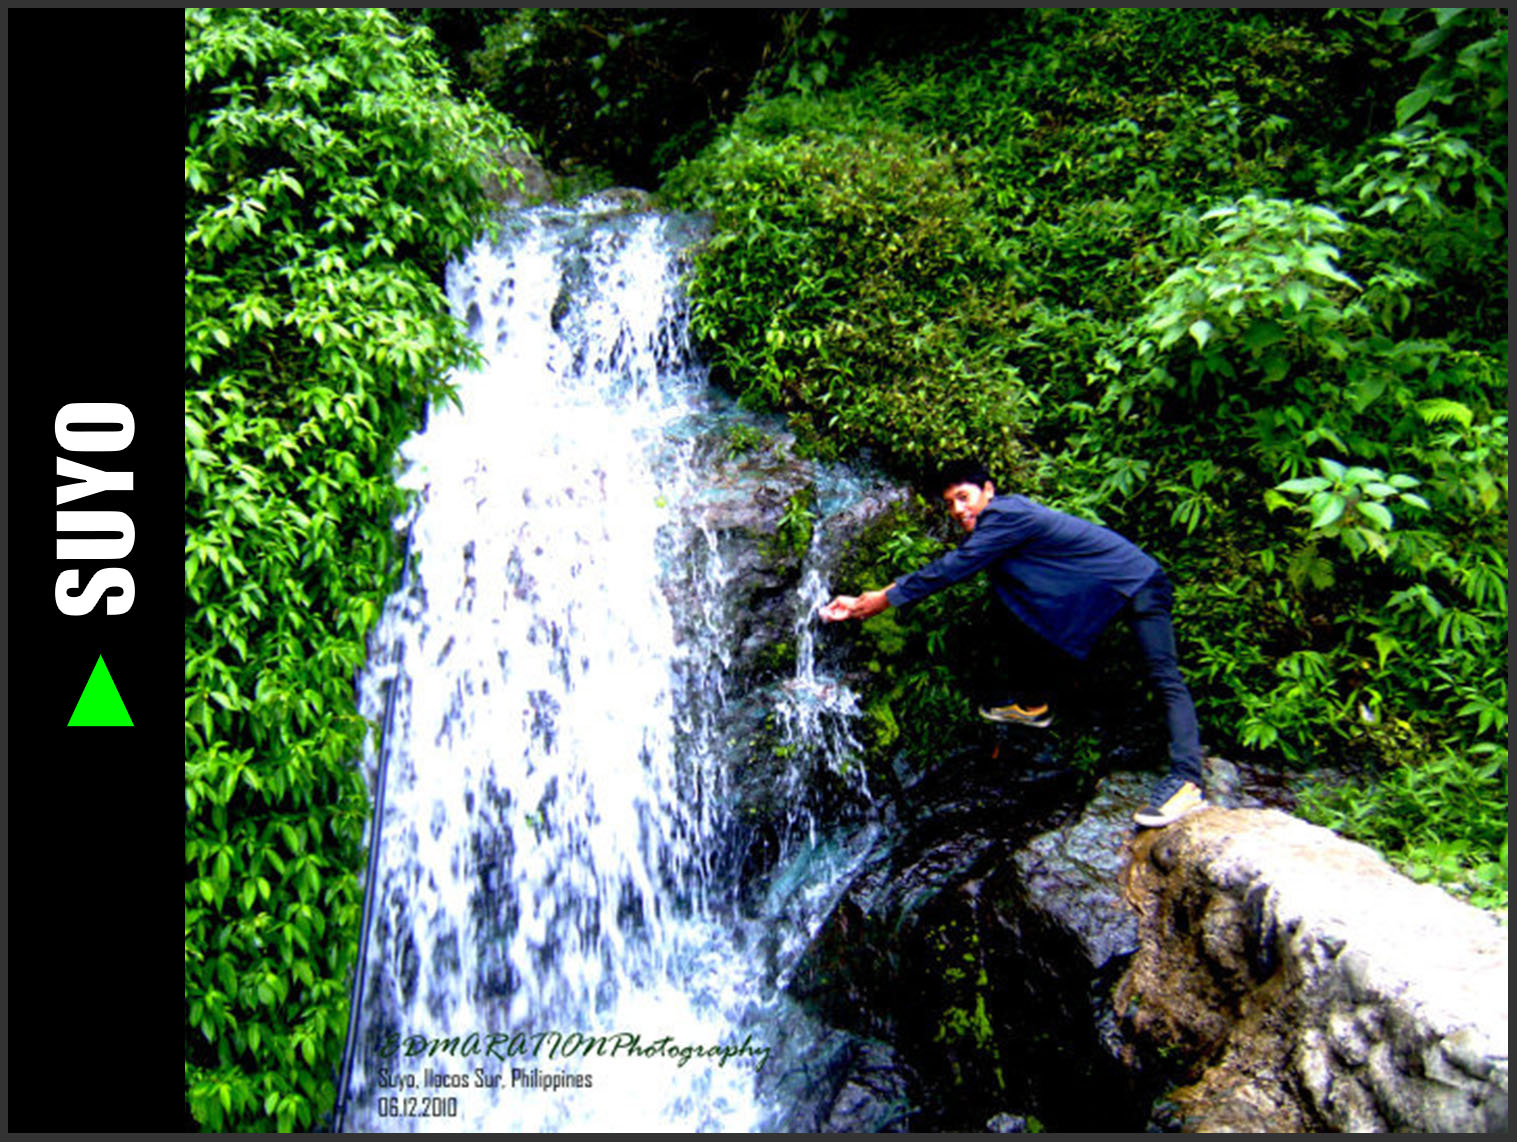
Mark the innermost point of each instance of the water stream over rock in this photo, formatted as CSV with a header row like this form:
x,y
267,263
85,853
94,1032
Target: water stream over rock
x,y
557,941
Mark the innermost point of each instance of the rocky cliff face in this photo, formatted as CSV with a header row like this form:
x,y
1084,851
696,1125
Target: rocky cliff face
x,y
1012,949
996,1007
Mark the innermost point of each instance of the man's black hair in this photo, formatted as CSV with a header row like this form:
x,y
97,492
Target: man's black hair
x,y
957,472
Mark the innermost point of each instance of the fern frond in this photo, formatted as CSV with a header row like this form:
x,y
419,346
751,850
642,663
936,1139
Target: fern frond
x,y
1439,409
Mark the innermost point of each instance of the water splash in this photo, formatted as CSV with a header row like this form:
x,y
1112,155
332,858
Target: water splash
x,y
544,838
818,708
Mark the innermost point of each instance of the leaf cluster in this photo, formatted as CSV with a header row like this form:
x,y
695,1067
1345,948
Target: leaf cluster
x,y
632,90
851,283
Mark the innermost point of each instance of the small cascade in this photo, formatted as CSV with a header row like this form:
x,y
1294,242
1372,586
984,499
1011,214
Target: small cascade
x,y
817,708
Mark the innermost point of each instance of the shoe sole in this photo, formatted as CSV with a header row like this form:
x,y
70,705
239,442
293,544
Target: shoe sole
x,y
1155,821
1035,723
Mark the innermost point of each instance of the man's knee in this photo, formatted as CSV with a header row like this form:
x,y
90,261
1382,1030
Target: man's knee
x,y
1172,689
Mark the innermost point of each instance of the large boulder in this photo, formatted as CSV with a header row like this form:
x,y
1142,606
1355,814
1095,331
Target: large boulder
x,y
1309,986
1070,877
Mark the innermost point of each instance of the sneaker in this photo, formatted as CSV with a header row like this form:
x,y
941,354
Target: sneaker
x,y
1172,799
1014,715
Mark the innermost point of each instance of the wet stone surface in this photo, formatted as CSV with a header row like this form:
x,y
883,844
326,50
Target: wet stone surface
x,y
982,937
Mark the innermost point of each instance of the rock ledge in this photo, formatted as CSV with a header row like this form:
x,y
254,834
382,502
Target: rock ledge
x,y
1312,986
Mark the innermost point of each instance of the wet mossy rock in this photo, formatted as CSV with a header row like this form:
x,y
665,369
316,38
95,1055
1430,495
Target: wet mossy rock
x,y
761,507
741,509
1311,987
762,519
932,948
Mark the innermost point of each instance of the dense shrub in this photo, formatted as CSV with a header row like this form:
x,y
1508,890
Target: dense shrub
x,y
630,91
327,176
852,282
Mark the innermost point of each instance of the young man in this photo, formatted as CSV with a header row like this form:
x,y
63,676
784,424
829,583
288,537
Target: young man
x,y
1063,580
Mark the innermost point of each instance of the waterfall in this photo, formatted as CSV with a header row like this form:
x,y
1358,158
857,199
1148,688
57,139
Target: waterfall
x,y
550,947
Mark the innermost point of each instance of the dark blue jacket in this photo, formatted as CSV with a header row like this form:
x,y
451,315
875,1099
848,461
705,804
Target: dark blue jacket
x,y
1064,577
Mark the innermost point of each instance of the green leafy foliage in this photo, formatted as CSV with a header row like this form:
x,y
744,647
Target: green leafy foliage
x,y
919,696
853,284
630,91
328,174
743,438
809,51
1233,282
1351,504
797,522
1431,813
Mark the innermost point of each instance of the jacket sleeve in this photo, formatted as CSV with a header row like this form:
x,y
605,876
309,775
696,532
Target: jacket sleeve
x,y
997,533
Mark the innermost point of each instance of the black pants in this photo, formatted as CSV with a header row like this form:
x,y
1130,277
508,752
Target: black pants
x,y
1040,672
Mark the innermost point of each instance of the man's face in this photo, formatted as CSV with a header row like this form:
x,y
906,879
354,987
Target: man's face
x,y
967,501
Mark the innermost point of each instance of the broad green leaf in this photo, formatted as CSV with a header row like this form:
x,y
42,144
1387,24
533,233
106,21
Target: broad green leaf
x,y
1438,409
1374,541
1318,263
1330,511
1385,645
1262,334
1304,484
1410,105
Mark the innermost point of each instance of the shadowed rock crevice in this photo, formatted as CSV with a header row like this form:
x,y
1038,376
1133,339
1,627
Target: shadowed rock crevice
x,y
941,947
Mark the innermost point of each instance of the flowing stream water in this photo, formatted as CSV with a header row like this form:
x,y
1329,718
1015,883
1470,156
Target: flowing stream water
x,y
548,907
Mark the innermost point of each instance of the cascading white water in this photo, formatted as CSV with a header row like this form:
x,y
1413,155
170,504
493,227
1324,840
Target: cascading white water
x,y
819,710
553,790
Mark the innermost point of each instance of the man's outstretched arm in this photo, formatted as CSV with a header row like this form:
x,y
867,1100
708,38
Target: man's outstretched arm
x,y
997,533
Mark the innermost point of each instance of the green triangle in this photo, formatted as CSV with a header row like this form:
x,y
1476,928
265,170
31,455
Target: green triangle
x,y
100,704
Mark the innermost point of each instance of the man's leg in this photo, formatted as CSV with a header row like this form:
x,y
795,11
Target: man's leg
x,y
1033,669
1150,614
1033,673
